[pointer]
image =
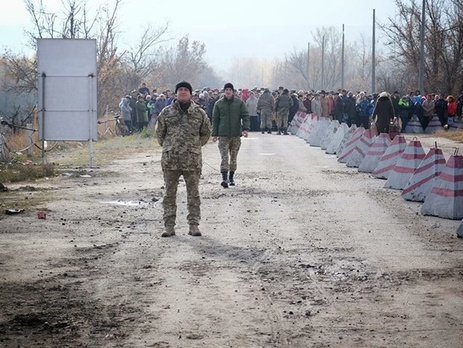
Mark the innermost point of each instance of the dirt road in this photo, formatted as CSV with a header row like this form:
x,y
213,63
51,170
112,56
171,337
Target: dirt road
x,y
303,252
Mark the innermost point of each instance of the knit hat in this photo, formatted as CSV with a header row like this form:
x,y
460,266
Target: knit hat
x,y
184,84
228,85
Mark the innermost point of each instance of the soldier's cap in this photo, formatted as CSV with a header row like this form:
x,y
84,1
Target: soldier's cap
x,y
184,84
228,85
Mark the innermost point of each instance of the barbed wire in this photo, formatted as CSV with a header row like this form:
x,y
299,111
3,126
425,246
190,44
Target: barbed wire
x,y
6,144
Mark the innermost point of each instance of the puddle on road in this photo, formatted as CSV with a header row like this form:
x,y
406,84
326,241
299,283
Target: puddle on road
x,y
131,203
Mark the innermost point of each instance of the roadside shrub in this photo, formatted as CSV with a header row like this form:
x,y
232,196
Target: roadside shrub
x,y
24,171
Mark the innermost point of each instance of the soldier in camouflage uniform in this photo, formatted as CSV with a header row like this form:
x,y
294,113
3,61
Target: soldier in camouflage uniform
x,y
182,129
282,106
266,106
230,121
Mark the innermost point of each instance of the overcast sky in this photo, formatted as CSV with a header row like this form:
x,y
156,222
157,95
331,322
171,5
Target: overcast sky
x,y
230,29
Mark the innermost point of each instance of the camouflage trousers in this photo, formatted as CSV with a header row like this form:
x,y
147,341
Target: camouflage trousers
x,y
282,118
229,146
266,120
169,203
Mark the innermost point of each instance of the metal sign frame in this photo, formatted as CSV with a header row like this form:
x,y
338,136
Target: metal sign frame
x,y
67,89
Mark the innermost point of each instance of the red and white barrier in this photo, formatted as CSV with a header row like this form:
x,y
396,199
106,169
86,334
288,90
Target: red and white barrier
x,y
422,180
303,128
414,125
460,230
361,148
343,128
406,165
329,134
315,137
297,122
311,125
446,197
350,145
375,152
347,136
390,157
434,125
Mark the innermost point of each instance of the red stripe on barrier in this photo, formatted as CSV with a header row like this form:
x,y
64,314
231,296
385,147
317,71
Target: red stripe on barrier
x,y
447,192
391,155
411,156
455,162
385,169
451,178
404,170
430,165
375,153
418,184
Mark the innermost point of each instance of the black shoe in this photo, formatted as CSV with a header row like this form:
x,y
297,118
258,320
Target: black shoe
x,y
262,132
232,183
269,132
224,184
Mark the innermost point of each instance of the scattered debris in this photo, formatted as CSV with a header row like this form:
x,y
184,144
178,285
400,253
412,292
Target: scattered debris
x,y
13,211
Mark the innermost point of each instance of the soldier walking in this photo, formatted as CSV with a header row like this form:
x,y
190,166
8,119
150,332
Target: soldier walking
x,y
230,121
266,106
182,129
282,106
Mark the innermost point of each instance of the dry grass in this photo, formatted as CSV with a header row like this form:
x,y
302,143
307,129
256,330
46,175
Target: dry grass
x,y
452,135
104,151
22,167
24,171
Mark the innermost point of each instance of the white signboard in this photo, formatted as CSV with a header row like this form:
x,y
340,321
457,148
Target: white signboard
x,y
67,85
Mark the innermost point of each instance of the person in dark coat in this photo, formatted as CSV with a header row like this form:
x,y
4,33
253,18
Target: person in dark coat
x,y
383,113
293,109
441,109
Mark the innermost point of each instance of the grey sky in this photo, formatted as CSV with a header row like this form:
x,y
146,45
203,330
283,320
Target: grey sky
x,y
230,30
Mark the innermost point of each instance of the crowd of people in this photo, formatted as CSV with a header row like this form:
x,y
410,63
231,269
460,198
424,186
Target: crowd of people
x,y
185,121
272,110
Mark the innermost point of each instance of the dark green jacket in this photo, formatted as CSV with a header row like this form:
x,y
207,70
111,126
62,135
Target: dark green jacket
x,y
229,118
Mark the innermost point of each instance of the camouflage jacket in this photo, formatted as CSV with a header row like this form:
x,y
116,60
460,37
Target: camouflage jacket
x,y
283,101
181,135
266,102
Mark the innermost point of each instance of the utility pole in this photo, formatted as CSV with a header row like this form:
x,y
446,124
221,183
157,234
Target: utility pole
x,y
373,57
421,66
323,63
308,64
342,59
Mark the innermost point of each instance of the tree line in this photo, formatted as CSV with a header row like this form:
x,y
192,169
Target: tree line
x,y
151,57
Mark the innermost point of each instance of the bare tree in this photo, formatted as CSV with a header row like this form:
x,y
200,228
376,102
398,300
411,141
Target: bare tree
x,y
20,74
141,58
293,70
298,63
109,61
443,42
73,23
184,62
247,72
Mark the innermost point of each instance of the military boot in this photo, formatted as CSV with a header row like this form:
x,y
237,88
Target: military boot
x,y
168,232
224,182
194,231
231,179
